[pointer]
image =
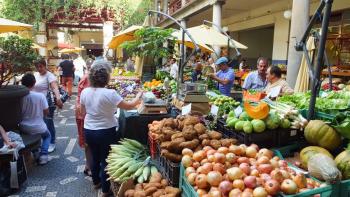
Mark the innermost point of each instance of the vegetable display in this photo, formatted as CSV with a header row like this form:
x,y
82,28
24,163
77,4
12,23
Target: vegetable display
x,y
126,88
226,104
156,187
127,160
184,132
343,163
242,171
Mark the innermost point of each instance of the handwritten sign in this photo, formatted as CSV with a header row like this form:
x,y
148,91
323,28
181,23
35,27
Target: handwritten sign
x,y
238,111
186,109
274,92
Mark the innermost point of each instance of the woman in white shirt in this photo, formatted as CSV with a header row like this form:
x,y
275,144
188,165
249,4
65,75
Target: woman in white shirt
x,y
45,80
100,125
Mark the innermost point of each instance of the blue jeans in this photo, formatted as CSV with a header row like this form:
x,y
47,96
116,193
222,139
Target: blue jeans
x,y
99,142
46,138
51,125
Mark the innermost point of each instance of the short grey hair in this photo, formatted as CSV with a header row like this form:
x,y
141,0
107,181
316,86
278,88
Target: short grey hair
x,y
102,64
99,76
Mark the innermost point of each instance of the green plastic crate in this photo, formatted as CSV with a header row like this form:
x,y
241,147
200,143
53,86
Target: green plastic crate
x,y
318,115
187,189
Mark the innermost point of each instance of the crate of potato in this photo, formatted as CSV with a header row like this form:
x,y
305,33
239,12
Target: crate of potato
x,y
175,135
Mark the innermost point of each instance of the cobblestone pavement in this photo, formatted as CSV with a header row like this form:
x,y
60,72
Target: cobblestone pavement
x,y
63,176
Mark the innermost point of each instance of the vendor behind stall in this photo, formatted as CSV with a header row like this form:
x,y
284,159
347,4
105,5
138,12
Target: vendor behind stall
x,y
257,80
225,77
174,68
276,85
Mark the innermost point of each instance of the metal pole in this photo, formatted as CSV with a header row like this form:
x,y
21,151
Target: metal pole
x,y
182,57
320,57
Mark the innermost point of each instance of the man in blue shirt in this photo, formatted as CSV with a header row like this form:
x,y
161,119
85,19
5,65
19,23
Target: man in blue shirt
x,y
225,77
257,80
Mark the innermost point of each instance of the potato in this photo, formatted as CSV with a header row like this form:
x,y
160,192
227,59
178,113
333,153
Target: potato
x,y
188,128
153,184
228,142
191,120
189,135
172,190
150,190
129,193
164,182
174,145
214,135
203,136
176,158
200,128
198,148
165,145
177,135
169,122
138,187
140,194
158,193
190,144
206,142
215,144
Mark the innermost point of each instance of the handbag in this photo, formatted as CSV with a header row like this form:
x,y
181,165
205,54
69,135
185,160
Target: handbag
x,y
51,97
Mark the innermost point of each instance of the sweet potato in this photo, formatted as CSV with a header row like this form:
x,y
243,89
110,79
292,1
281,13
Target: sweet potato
x,y
153,184
165,145
164,182
155,178
169,122
150,190
189,135
190,144
200,128
140,194
129,193
172,190
138,187
203,136
158,193
176,158
174,145
214,135
215,144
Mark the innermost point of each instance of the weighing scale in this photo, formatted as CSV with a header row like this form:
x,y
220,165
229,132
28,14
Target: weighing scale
x,y
158,107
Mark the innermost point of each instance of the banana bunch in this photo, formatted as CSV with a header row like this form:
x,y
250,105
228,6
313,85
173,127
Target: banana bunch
x,y
129,159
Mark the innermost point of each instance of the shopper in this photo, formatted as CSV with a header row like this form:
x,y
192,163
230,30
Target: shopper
x,y
276,83
257,80
79,117
225,77
46,81
197,72
67,68
174,68
34,107
79,66
100,104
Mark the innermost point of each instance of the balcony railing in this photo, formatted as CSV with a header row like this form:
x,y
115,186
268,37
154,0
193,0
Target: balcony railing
x,y
176,5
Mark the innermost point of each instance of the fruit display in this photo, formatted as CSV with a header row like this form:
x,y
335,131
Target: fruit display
x,y
161,75
225,103
122,72
125,88
129,160
150,85
155,187
184,133
240,170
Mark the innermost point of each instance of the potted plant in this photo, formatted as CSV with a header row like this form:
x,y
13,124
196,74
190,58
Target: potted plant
x,y
16,58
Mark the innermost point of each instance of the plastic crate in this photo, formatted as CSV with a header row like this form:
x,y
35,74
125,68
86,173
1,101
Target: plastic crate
x,y
170,170
186,188
318,115
152,143
220,127
265,139
288,136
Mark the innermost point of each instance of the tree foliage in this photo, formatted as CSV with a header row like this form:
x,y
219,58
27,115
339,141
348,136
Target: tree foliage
x,y
16,57
126,12
150,42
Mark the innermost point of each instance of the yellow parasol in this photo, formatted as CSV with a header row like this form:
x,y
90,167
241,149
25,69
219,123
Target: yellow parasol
x,y
204,34
178,37
10,26
302,82
125,35
74,50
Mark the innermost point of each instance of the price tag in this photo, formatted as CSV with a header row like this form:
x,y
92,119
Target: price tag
x,y
186,109
274,92
214,110
238,111
293,132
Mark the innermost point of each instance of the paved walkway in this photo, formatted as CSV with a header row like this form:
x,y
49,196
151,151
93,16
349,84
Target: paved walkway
x,y
63,176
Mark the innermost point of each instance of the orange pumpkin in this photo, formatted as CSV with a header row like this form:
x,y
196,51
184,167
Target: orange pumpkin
x,y
260,111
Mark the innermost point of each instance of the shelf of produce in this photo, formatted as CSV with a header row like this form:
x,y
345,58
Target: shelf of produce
x,y
341,74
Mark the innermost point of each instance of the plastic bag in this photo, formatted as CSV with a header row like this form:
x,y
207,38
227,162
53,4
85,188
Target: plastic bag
x,y
323,168
149,97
